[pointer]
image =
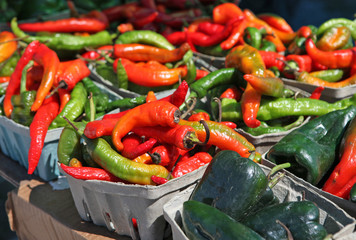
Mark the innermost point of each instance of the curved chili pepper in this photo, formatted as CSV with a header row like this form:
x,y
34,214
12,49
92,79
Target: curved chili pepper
x,y
330,75
276,21
134,146
224,12
15,80
304,62
223,137
70,73
64,97
199,116
156,113
345,170
177,38
50,62
7,46
316,94
150,78
273,59
210,28
307,78
94,21
270,86
180,136
89,173
189,164
253,37
140,52
46,113
248,60
332,59
235,35
338,22
334,38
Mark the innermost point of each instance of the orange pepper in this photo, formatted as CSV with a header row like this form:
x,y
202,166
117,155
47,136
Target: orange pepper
x,y
9,47
222,13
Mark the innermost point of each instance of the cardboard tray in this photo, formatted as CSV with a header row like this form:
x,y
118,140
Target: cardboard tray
x,y
348,206
15,143
329,94
335,220
114,204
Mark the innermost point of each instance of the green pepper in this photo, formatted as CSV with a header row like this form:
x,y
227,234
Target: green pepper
x,y
353,194
330,75
126,102
273,108
101,99
297,46
301,218
69,143
106,72
64,41
275,70
232,184
22,103
8,66
311,148
201,221
338,22
192,73
215,51
253,37
74,108
122,77
146,37
268,46
264,128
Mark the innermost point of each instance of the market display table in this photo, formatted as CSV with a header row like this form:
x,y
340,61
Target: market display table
x,y
36,211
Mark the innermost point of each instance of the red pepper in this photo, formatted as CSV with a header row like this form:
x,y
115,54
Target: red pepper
x,y
353,63
151,96
125,27
141,52
14,83
232,93
177,38
64,97
150,78
344,172
70,73
189,164
229,124
143,17
235,35
210,28
50,62
94,21
94,55
201,73
168,155
276,21
316,94
158,113
46,113
178,19
134,146
273,59
318,66
332,59
4,79
224,12
90,173
180,136
158,180
304,62
199,116
161,152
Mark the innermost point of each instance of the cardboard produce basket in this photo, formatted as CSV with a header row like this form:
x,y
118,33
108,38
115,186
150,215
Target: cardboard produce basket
x,y
335,220
15,143
115,204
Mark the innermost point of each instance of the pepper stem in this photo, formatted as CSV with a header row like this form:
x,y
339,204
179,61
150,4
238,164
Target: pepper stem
x,y
61,84
191,107
14,40
278,168
289,234
23,76
216,99
91,107
70,123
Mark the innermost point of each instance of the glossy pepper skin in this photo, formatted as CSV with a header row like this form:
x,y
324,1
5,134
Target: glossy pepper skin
x,y
338,22
333,59
248,60
50,62
225,170
308,78
318,140
8,48
89,173
140,52
123,168
156,113
38,130
73,108
300,217
65,41
71,72
94,21
22,103
135,146
334,38
345,170
189,164
15,80
150,78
